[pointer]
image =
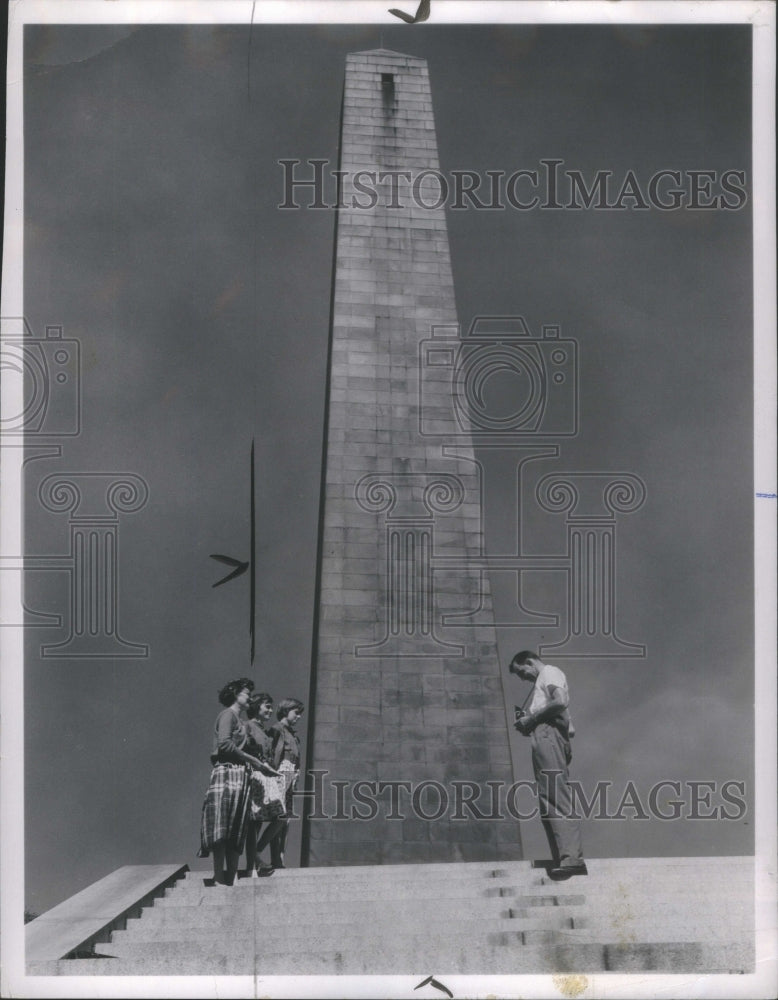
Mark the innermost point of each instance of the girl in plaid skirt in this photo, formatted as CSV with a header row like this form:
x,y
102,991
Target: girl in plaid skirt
x,y
226,805
267,786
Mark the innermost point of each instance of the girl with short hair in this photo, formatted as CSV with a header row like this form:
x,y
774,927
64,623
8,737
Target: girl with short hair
x,y
286,759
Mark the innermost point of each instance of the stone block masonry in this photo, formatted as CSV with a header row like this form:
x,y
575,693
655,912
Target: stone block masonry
x,y
397,693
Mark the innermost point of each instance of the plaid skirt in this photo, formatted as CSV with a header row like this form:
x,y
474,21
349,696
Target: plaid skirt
x,y
267,797
225,809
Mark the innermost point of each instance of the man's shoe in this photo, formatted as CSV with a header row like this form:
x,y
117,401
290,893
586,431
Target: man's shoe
x,y
567,871
265,871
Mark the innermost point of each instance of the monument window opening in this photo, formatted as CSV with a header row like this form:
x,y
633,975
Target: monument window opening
x,y
387,90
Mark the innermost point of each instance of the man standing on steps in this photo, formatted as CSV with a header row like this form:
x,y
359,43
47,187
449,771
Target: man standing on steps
x,y
547,722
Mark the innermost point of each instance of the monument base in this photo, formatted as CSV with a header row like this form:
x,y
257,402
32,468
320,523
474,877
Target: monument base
x,y
668,915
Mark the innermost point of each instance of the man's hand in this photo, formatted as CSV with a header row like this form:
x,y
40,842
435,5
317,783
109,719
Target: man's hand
x,y
525,725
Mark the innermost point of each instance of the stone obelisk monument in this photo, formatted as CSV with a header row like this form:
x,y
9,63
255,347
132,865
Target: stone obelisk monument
x,y
405,688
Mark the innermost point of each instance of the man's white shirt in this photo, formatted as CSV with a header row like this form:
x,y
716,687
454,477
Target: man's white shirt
x,y
549,676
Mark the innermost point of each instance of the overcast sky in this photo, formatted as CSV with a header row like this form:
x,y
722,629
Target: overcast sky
x,y
152,235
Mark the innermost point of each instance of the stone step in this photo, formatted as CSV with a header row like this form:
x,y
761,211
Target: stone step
x,y
595,893
359,921
676,919
724,883
432,869
475,958
235,940
715,869
272,889
726,876
372,901
620,893
355,911
562,923
299,878
277,883
349,911
599,883
602,932
335,935
493,961
368,945
726,873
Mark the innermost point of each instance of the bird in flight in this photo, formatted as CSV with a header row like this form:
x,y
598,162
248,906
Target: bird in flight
x,y
438,986
422,13
240,567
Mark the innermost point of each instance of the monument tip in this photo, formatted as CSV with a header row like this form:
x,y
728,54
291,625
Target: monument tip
x,y
386,52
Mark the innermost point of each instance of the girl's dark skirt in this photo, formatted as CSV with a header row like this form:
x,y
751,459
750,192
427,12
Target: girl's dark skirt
x,y
226,808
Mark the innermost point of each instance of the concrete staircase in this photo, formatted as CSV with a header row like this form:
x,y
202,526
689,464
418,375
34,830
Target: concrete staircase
x,y
652,914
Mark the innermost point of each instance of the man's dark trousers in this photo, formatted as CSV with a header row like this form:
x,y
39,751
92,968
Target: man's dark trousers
x,y
551,756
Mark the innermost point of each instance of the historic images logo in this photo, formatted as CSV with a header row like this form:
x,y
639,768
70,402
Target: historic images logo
x,y
461,800
42,408
454,414
548,186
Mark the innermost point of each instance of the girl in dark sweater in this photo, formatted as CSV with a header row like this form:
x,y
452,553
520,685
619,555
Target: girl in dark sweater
x,y
226,806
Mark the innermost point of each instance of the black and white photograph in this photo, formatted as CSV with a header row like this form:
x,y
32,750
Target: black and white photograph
x,y
387,567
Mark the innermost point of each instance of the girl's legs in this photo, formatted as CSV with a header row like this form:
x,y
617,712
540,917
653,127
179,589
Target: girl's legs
x,y
270,832
278,844
219,852
251,847
233,858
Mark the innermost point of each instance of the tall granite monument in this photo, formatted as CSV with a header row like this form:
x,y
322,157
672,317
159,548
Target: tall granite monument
x,y
405,687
